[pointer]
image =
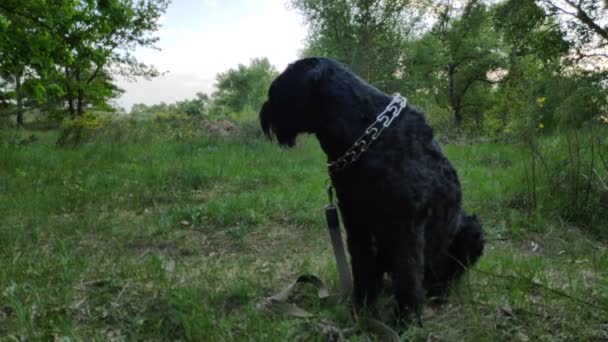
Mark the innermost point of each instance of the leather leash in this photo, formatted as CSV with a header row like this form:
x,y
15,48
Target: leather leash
x,y
279,302
333,225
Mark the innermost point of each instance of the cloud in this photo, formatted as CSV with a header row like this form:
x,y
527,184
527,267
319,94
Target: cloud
x,y
198,42
210,4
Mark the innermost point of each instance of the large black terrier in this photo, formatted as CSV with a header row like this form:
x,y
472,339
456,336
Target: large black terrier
x,y
399,196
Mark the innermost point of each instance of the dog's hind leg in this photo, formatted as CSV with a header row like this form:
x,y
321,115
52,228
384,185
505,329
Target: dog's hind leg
x,y
407,267
364,265
464,251
467,245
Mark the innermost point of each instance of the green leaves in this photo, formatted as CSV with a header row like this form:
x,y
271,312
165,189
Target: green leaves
x,y
76,45
465,60
368,36
243,88
526,27
453,61
584,25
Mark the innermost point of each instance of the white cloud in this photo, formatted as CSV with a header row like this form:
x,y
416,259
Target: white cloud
x,y
204,42
210,4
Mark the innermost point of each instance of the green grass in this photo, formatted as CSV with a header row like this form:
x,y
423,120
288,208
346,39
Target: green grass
x,y
151,235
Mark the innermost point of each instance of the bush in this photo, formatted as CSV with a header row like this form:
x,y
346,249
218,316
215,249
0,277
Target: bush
x,y
77,130
566,176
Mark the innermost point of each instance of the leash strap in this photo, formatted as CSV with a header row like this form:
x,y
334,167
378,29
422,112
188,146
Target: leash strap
x,y
333,226
279,302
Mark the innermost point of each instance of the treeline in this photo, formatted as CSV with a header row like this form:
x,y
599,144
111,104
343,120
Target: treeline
x,y
239,93
481,66
62,57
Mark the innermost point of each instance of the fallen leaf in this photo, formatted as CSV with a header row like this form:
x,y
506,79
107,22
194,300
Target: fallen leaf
x,y
534,246
169,266
522,337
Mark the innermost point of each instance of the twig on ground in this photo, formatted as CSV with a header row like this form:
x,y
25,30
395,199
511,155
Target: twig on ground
x,y
552,290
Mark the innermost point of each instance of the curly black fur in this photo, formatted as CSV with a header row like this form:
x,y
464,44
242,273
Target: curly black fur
x,y
400,202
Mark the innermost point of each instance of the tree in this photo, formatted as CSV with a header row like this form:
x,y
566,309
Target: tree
x,y
527,29
243,88
4,97
194,107
366,35
22,52
587,25
455,58
98,43
75,48
544,84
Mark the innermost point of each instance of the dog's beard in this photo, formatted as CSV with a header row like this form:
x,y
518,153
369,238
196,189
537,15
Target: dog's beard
x,y
279,127
265,120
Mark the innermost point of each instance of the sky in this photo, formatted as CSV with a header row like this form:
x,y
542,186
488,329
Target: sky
x,y
200,38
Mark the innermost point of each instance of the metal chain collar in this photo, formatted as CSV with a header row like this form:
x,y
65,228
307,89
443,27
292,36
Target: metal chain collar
x,y
371,134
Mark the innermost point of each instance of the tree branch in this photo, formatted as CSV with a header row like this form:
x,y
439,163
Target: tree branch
x,y
587,20
27,16
539,285
582,56
558,9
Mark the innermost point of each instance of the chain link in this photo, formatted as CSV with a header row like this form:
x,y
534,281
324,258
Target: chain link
x,y
371,134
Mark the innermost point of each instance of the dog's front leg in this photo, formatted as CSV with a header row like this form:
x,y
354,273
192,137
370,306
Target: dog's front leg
x,y
407,247
364,266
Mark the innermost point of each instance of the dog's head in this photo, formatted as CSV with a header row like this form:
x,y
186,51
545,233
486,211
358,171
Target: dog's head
x,y
293,104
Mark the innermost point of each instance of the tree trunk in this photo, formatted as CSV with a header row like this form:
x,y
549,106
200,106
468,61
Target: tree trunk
x,y
80,99
69,93
454,101
19,99
457,117
80,104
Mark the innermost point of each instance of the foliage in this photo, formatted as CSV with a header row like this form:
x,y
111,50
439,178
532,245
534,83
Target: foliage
x,y
239,94
368,36
243,90
585,24
18,69
196,107
454,60
567,176
66,54
482,63
75,131
529,31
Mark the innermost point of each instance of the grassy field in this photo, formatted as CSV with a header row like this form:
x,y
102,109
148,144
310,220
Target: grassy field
x,y
158,235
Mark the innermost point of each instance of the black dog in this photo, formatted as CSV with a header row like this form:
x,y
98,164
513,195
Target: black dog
x,y
399,196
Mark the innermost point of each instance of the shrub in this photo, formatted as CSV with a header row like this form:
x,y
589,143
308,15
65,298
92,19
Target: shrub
x,y
566,176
